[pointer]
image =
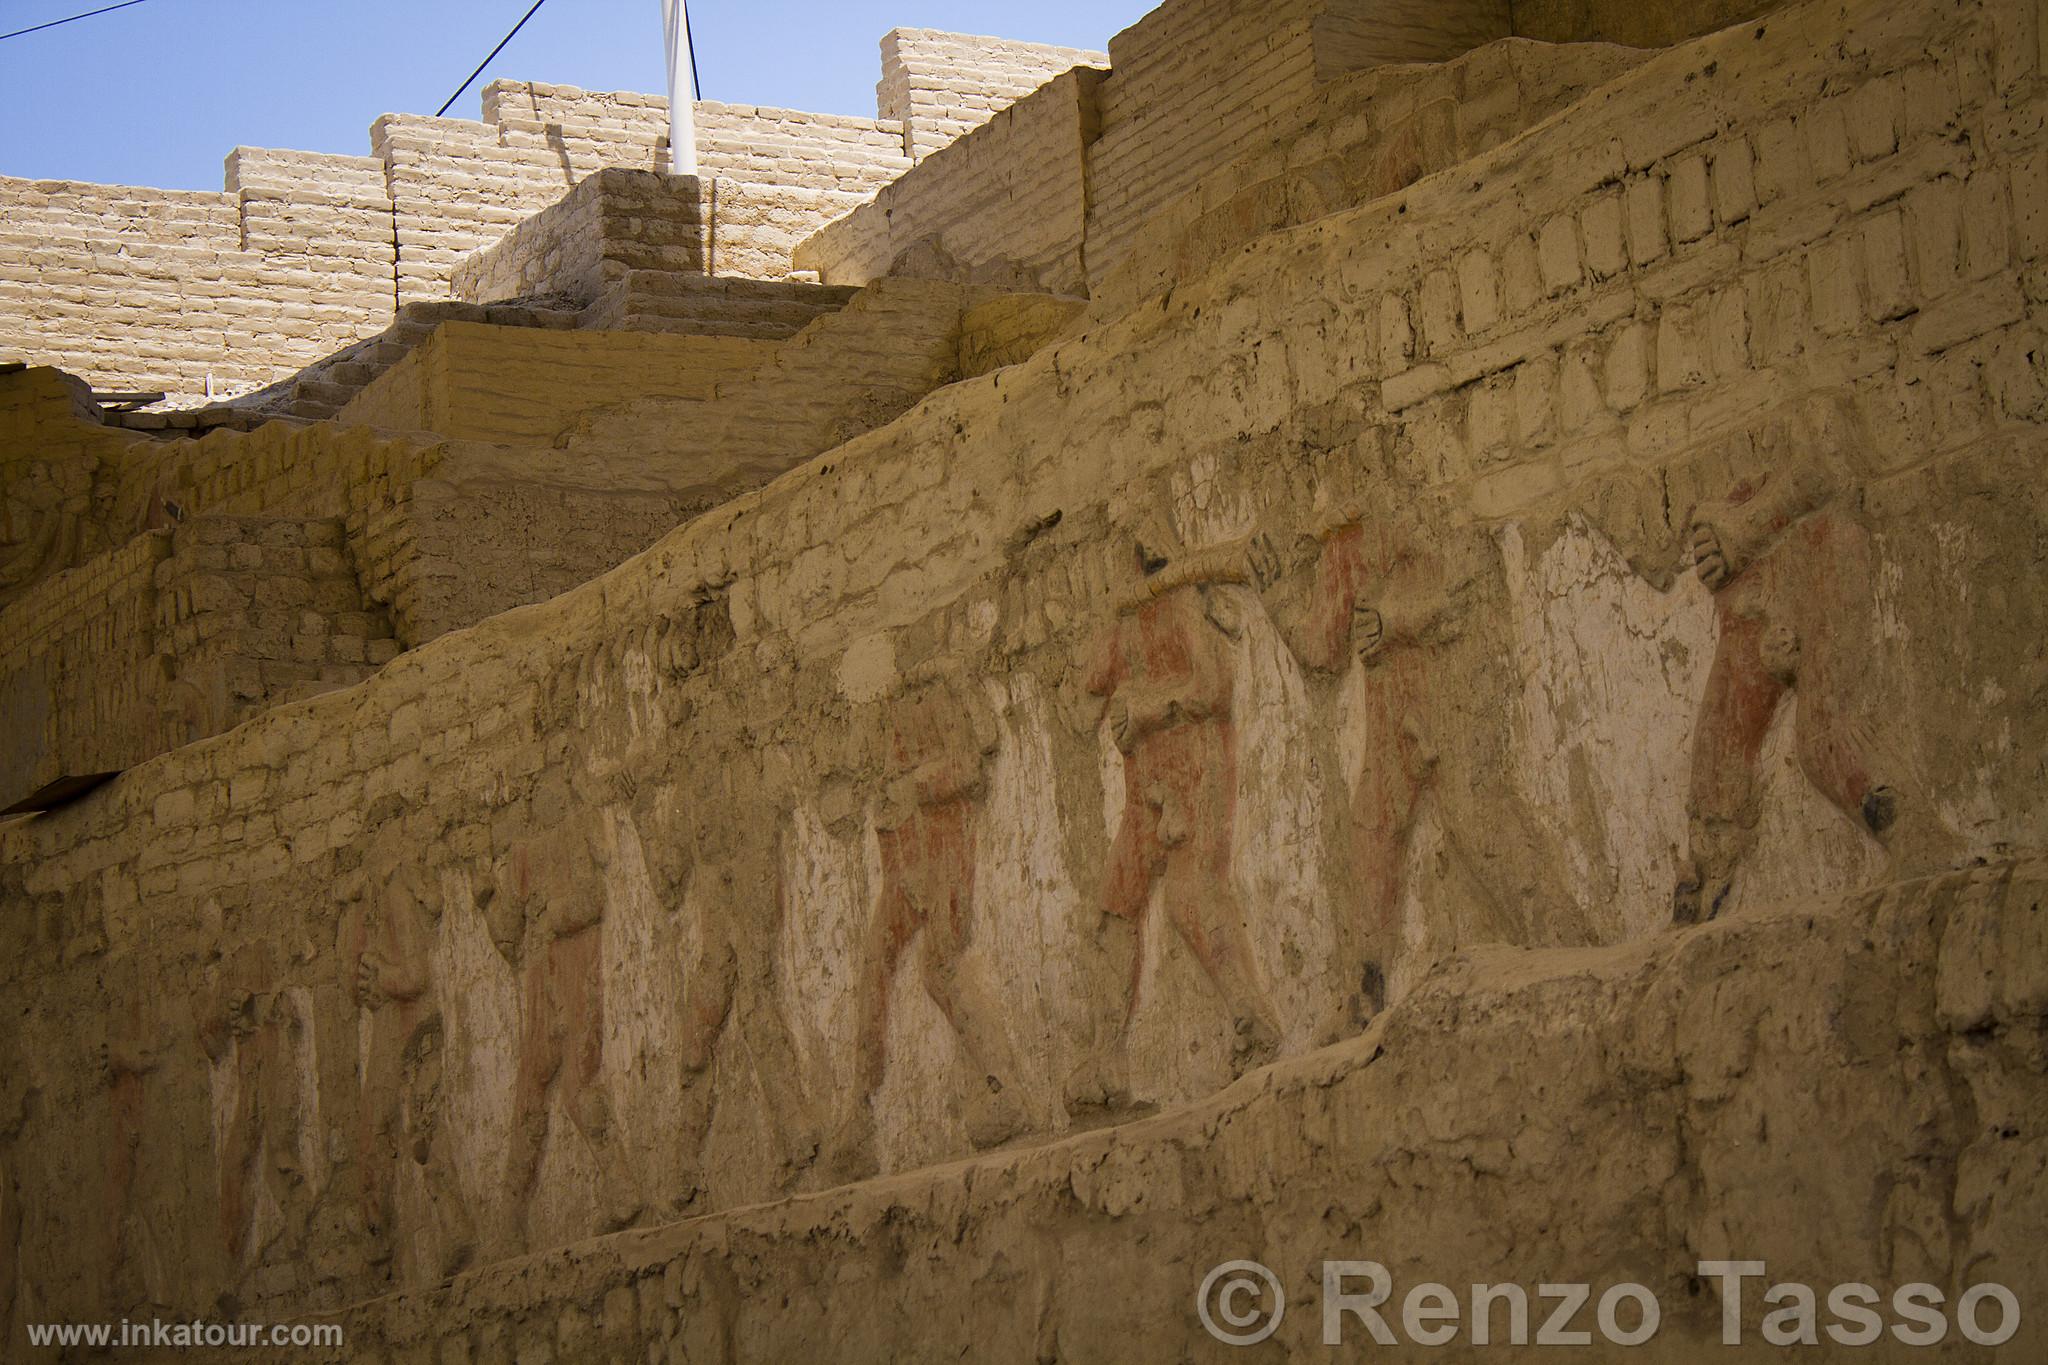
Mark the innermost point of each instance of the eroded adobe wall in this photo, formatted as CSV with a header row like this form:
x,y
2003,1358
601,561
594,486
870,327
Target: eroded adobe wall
x,y
1604,21
1362,136
1669,473
1197,84
1603,1117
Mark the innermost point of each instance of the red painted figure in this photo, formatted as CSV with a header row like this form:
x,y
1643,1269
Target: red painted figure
x,y
560,893
1164,672
1396,592
1791,574
388,944
939,740
250,1018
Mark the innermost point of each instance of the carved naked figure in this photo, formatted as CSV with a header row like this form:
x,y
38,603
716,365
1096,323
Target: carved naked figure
x,y
558,893
1791,571
128,1056
938,740
17,1096
736,893
1165,676
387,955
1401,596
247,1022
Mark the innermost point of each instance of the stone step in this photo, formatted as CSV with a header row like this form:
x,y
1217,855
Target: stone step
x,y
325,391
353,373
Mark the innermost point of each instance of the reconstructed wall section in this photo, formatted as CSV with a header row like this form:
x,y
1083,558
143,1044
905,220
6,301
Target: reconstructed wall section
x,y
191,292
1007,201
202,295
1196,84
940,86
1623,510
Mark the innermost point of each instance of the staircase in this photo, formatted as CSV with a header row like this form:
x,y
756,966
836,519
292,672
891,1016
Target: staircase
x,y
325,387
713,305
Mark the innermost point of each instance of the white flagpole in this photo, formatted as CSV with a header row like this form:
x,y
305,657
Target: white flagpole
x,y
682,86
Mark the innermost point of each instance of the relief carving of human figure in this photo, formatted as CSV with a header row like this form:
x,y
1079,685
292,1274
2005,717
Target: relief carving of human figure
x,y
247,1022
938,739
1404,595
550,924
17,1100
388,940
1791,569
132,1052
715,868
1166,676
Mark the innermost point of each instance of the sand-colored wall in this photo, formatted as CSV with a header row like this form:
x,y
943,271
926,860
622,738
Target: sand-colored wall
x,y
676,818
522,386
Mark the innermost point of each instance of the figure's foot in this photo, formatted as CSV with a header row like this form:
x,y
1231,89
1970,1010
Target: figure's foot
x,y
458,1246
1100,1082
995,1116
622,1209
850,1152
1881,810
1256,1042
1353,1014
1698,898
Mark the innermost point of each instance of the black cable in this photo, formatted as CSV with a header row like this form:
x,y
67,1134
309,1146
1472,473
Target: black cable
x,y
689,38
480,65
72,20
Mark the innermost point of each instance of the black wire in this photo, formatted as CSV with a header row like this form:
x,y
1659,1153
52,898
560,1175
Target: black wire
x,y
485,62
72,20
696,81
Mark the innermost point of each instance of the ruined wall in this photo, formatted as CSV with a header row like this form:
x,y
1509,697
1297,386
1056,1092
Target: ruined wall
x,y
1362,136
1009,199
1585,21
1598,533
1438,1145
940,86
1196,84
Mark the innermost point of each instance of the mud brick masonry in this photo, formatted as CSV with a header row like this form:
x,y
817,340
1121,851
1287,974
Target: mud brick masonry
x,y
1355,630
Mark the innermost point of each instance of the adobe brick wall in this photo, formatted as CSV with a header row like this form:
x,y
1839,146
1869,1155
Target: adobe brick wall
x,y
939,86
1009,197
304,253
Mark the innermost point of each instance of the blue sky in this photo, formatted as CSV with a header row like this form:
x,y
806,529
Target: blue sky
x,y
159,93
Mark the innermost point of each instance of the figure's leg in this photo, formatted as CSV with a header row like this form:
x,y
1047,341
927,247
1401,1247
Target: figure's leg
x,y
894,923
1742,698
427,1143
10,1246
123,1158
960,987
1211,920
540,1058
709,979
240,1147
1383,811
580,964
1101,1078
377,1135
283,1165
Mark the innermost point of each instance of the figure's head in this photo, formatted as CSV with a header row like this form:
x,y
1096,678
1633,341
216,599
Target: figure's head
x,y
1154,543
